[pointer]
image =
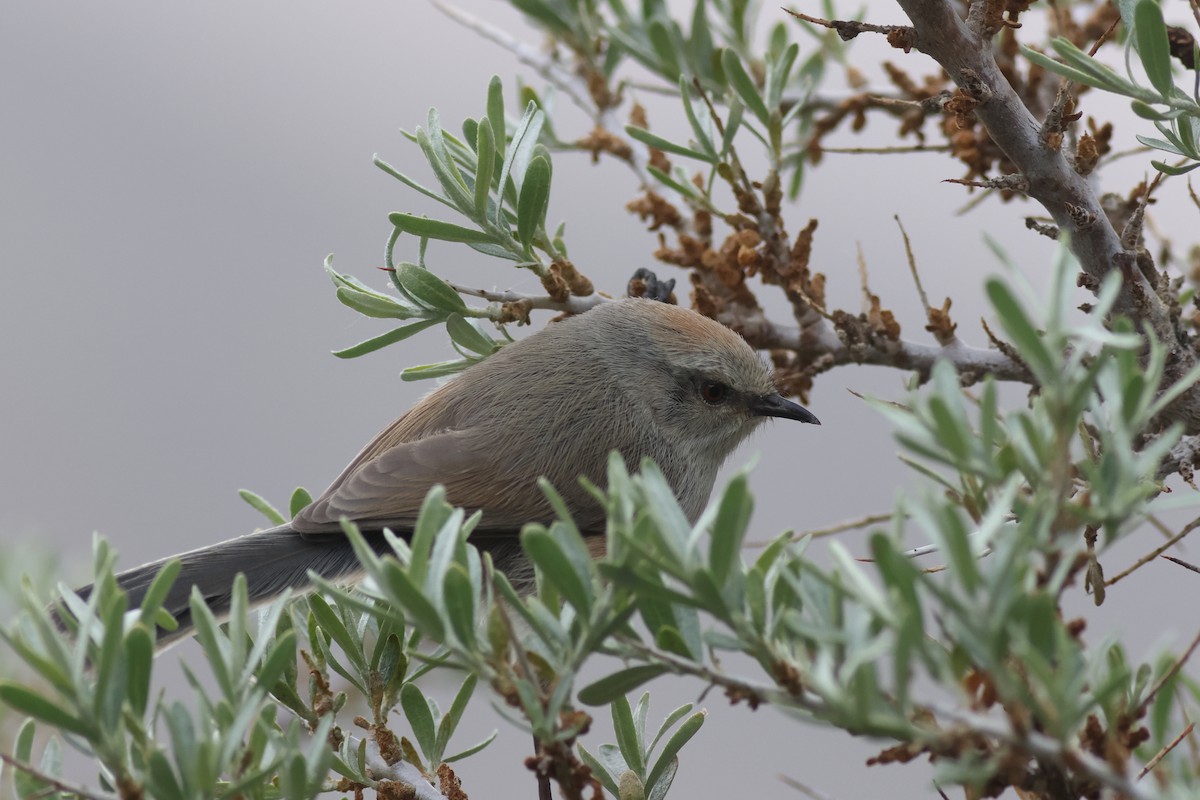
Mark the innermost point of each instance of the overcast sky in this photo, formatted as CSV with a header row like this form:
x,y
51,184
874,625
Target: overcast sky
x,y
172,177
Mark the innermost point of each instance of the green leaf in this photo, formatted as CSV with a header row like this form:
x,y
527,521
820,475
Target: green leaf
x,y
300,500
412,184
699,130
1081,69
671,749
32,704
449,723
464,334
733,122
777,74
1103,75
420,717
279,661
1169,169
519,149
1025,336
1150,32
379,342
25,784
157,593
428,288
413,600
333,626
162,780
460,601
729,528
646,137
1147,111
700,43
627,738
485,148
1159,144
744,86
374,305
438,370
664,48
262,506
619,684
534,199
437,229
683,187
557,568
495,113
111,680
472,750
600,771
139,658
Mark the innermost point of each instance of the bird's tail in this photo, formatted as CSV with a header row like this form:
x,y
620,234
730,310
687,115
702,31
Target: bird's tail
x,y
273,561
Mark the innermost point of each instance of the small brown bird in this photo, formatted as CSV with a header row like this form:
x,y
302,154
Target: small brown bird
x,y
646,379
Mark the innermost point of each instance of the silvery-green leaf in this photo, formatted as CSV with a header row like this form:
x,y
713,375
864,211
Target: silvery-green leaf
x,y
1150,33
744,86
654,140
391,337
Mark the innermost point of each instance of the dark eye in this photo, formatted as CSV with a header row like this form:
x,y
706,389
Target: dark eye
x,y
714,393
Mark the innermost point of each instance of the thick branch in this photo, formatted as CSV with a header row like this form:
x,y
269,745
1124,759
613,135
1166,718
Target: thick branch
x,y
817,343
824,342
1052,180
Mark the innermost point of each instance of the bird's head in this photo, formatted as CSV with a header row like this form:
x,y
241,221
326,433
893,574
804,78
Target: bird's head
x,y
706,387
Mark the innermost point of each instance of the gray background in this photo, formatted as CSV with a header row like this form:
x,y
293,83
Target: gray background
x,y
171,178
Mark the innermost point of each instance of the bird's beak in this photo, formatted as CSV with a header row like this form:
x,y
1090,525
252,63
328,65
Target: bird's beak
x,y
774,405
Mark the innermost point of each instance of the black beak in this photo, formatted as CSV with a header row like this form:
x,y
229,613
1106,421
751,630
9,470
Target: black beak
x,y
774,405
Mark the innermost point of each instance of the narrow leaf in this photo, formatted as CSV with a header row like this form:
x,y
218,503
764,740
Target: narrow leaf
x,y
744,86
379,342
437,229
619,684
654,140
1150,32
262,506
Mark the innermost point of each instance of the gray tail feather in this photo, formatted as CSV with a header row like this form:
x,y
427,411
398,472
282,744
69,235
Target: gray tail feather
x,y
272,561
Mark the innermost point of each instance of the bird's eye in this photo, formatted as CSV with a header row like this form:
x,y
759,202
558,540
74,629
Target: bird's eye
x,y
714,393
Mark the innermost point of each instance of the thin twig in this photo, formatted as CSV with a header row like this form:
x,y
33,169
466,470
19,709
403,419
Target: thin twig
x,y
847,29
1156,552
57,783
1178,665
841,527
1182,563
805,790
912,265
1152,763
887,151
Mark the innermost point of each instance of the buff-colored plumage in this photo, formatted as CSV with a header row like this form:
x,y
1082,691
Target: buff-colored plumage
x,y
642,378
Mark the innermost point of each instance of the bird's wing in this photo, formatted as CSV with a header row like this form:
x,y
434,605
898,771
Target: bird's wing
x,y
386,486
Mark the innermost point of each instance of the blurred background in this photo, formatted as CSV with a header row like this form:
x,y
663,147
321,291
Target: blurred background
x,y
172,177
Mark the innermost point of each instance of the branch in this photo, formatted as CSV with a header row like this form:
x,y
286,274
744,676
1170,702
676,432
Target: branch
x,y
826,342
1039,745
1070,199
401,772
1045,747
58,783
572,305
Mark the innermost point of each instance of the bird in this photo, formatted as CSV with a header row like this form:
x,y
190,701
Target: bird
x,y
643,378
